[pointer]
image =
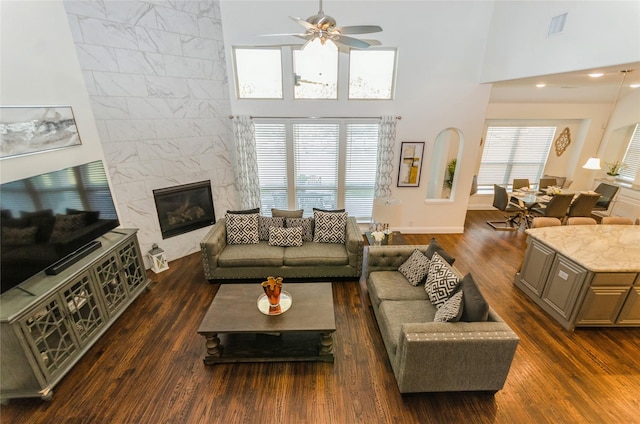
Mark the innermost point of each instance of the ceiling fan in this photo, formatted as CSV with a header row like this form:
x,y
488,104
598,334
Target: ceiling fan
x,y
323,27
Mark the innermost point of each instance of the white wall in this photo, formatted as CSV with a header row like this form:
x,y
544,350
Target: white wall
x,y
440,52
596,34
40,67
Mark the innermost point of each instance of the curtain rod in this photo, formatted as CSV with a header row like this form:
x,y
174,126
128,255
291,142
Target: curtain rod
x,y
314,117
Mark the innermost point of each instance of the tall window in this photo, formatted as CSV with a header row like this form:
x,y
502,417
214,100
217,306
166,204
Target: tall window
x,y
632,156
258,73
371,74
325,164
514,152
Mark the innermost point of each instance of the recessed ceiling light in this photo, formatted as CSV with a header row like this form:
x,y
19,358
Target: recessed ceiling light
x,y
596,75
540,85
634,85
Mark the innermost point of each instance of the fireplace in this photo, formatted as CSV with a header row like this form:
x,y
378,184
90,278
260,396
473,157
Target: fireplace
x,y
184,208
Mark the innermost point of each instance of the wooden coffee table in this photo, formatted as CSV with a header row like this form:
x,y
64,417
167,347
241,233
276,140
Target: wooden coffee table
x,y
236,331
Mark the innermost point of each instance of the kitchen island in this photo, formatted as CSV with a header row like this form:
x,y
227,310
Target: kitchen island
x,y
584,275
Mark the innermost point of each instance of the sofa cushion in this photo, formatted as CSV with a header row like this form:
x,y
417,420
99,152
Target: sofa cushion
x,y
330,227
242,228
287,214
264,222
311,253
251,255
391,285
245,211
415,268
451,310
329,210
18,236
475,307
305,223
285,236
393,313
442,281
66,226
434,247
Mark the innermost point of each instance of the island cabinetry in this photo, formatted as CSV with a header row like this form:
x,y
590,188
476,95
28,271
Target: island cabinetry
x,y
611,299
53,320
563,286
535,269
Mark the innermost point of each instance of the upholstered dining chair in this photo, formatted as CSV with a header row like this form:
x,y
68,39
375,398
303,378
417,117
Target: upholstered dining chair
x,y
607,193
520,183
545,221
546,182
583,204
513,212
616,220
560,181
581,220
557,207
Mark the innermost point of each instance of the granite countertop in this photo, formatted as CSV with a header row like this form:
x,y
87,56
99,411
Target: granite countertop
x,y
599,248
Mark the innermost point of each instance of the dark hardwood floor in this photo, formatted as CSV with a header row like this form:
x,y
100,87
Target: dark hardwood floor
x,y
148,367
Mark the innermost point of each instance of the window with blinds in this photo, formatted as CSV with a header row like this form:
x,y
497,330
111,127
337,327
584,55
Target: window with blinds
x,y
514,152
324,164
632,157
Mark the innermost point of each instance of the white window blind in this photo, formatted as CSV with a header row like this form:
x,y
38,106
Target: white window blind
x,y
271,149
331,164
514,152
632,156
316,165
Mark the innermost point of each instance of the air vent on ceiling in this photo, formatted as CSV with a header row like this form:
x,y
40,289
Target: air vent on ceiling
x,y
557,24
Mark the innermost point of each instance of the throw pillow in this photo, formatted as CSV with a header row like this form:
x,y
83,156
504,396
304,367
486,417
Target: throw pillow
x,y
264,222
330,227
475,307
441,281
245,211
66,226
415,268
305,223
451,310
242,228
287,214
285,237
18,236
434,247
329,210
92,216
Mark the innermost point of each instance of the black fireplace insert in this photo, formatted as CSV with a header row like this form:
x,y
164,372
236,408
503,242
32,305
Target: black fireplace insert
x,y
184,208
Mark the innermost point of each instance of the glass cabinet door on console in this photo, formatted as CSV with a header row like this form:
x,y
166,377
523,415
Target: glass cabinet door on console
x,y
112,284
85,310
132,266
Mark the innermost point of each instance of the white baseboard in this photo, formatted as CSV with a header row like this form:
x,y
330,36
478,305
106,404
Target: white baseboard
x,y
430,230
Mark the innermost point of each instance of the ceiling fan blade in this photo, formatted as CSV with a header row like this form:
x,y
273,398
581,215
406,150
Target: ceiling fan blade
x,y
302,22
372,42
359,29
283,35
349,41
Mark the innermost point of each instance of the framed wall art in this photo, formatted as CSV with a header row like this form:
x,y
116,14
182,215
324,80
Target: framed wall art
x,y
33,129
410,163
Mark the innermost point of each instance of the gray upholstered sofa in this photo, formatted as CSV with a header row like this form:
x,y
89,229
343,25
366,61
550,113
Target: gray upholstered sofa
x,y
222,261
429,356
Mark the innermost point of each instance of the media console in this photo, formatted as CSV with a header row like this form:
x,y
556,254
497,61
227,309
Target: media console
x,y
50,321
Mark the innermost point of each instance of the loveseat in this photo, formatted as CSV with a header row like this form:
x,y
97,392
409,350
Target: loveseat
x,y
428,356
311,260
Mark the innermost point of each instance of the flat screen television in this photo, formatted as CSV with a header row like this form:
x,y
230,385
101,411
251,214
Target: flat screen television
x,y
48,219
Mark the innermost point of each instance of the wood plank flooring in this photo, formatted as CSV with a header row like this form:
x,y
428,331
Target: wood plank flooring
x,y
148,367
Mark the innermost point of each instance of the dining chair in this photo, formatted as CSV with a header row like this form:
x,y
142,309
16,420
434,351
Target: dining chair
x,y
545,221
616,220
560,181
607,193
557,207
513,212
546,182
583,204
581,220
520,183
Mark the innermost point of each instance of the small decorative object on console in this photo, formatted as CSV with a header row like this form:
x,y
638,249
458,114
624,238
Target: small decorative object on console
x,y
378,236
158,259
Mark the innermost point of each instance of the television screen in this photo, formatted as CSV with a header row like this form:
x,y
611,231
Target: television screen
x,y
49,216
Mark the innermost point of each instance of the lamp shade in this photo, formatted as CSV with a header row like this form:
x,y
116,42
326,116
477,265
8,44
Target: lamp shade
x,y
387,210
592,163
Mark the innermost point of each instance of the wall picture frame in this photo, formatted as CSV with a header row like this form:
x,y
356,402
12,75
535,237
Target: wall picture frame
x,y
411,156
34,129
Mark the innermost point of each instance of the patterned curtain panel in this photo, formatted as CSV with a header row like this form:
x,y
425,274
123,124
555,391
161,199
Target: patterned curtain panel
x,y
386,142
246,169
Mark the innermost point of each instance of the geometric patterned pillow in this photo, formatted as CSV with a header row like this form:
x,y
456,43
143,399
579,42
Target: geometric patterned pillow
x,y
441,281
285,236
242,228
265,222
305,223
415,268
330,227
451,310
